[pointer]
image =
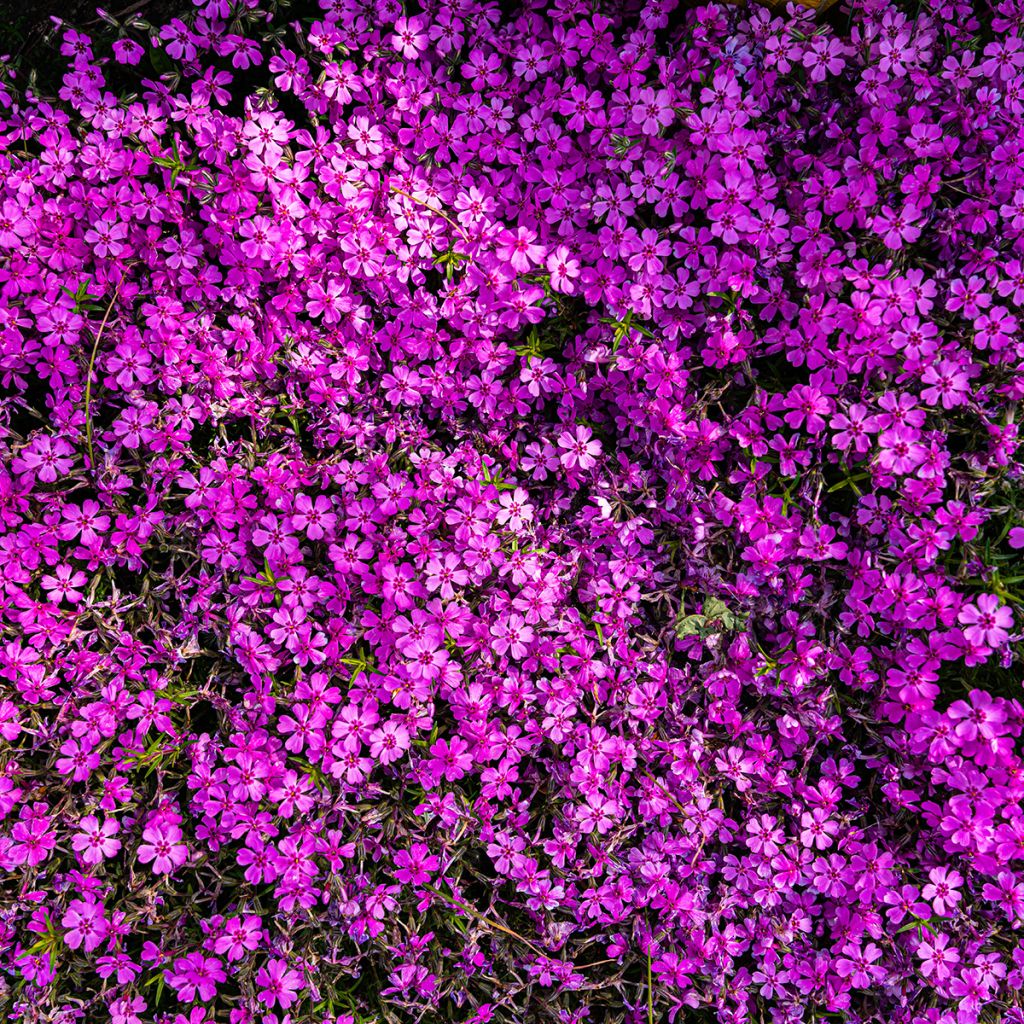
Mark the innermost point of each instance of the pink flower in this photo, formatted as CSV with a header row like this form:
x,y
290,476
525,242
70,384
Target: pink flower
x,y
897,226
47,456
266,131
943,889
415,865
653,111
126,1009
563,270
981,717
78,761
409,39
938,957
520,251
278,984
196,975
580,449
389,742
515,510
817,828
84,521
425,660
970,988
106,238
512,635
450,759
367,137
293,794
986,621
163,846
96,840
444,575
947,383
900,450
85,924
859,965
63,584
127,51
239,935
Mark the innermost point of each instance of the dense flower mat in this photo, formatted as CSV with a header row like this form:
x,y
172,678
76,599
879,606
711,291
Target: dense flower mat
x,y
514,517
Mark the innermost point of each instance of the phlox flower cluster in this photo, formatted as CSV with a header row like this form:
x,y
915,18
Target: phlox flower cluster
x,y
512,514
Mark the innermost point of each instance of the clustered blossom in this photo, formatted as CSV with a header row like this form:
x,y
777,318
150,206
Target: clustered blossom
x,y
512,515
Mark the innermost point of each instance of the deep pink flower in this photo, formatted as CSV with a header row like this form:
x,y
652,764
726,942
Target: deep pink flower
x,y
96,840
278,984
937,956
85,924
580,448
416,865
163,846
986,621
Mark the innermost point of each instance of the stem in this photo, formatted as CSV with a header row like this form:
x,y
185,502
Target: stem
x,y
88,375
473,912
650,992
427,206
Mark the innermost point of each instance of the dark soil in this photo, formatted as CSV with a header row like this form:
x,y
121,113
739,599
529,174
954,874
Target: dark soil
x,y
30,40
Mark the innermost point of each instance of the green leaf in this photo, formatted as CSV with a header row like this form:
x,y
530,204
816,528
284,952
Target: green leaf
x,y
716,609
690,625
714,618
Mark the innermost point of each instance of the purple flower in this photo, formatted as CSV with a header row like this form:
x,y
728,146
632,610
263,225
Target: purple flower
x,y
986,621
84,924
416,865
163,847
278,984
96,842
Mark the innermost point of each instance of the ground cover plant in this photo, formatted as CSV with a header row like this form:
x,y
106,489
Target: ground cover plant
x,y
513,514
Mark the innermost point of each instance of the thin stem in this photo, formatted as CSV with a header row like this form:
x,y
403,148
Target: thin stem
x,y
650,991
88,375
473,912
432,209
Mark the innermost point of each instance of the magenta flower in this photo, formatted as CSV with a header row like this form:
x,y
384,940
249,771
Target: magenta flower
x,y
938,958
84,522
444,575
409,38
127,51
980,717
943,889
897,227
512,636
580,448
389,742
85,924
240,935
520,251
278,984
96,842
47,457
563,270
163,847
78,761
196,976
900,451
450,759
652,111
986,621
416,865
860,964
947,383
557,448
